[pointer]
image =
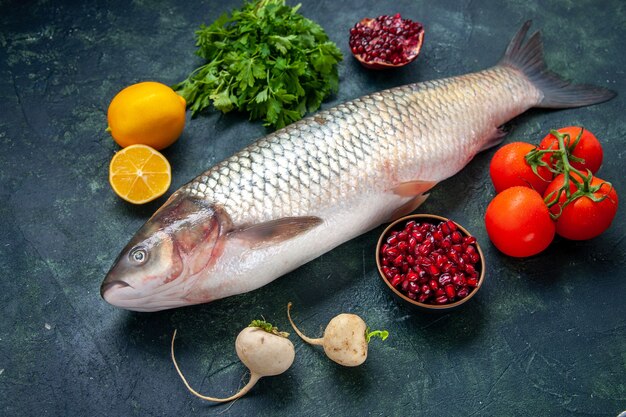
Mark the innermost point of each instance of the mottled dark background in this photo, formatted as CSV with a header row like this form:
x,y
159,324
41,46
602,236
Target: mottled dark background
x,y
546,336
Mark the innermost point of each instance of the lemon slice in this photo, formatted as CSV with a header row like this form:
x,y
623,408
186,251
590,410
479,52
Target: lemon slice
x,y
139,174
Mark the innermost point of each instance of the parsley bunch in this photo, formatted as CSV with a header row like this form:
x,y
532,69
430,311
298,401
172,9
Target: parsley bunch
x,y
266,59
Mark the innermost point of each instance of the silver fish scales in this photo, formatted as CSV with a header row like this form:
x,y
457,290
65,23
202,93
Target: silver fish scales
x,y
303,190
377,140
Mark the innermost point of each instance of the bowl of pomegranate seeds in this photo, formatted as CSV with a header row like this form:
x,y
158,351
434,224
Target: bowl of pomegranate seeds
x,y
430,262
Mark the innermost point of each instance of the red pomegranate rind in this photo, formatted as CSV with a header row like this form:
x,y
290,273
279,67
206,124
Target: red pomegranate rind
x,y
431,263
386,42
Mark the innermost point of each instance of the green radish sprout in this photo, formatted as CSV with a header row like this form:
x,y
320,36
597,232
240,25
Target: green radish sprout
x,y
263,350
345,339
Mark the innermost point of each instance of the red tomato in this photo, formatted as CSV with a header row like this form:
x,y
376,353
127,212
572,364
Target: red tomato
x,y
588,148
508,168
518,222
583,218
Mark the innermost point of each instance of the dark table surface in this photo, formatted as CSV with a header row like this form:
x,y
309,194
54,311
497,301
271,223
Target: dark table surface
x,y
545,336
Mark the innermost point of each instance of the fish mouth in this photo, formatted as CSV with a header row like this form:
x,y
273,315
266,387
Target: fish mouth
x,y
121,294
114,290
109,286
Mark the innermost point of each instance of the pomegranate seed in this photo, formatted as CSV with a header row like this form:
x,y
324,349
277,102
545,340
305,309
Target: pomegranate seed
x,y
392,252
413,286
409,226
403,236
410,260
448,267
444,279
397,261
433,270
424,248
412,243
396,280
458,279
466,258
442,299
411,295
469,268
450,293
456,237
422,298
462,293
405,286
392,240
451,225
445,229
419,237
433,284
472,282
402,246
438,235
469,240
412,276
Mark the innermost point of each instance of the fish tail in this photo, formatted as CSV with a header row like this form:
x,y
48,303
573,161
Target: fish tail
x,y
557,92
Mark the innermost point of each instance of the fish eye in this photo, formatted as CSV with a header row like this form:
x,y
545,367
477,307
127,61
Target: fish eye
x,y
138,255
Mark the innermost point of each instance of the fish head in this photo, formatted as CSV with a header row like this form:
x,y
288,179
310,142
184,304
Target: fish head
x,y
161,263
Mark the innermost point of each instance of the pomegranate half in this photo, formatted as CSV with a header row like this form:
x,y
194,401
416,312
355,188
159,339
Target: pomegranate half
x,y
386,41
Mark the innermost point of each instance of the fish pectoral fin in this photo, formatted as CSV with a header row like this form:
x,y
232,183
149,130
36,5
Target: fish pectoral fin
x,y
275,231
408,207
413,188
495,138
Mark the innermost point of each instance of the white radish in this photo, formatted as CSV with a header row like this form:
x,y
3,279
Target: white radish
x,y
345,339
263,350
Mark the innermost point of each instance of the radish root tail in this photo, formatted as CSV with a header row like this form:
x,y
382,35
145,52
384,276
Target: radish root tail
x,y
319,342
254,378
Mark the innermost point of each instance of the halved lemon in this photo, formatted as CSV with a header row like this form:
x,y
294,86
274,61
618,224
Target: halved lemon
x,y
139,174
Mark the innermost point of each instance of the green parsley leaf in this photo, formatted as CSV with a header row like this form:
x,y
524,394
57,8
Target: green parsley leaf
x,y
264,58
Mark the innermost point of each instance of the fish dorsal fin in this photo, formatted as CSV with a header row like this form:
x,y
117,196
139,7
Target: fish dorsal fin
x,y
275,231
408,207
413,188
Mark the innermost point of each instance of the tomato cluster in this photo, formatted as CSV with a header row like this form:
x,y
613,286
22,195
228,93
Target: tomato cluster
x,y
546,190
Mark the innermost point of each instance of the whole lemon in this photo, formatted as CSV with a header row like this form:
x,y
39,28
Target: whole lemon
x,y
146,113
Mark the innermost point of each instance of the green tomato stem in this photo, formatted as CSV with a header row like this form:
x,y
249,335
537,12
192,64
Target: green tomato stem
x,y
582,181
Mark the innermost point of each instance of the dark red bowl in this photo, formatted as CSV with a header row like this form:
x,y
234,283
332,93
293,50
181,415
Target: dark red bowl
x,y
428,218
